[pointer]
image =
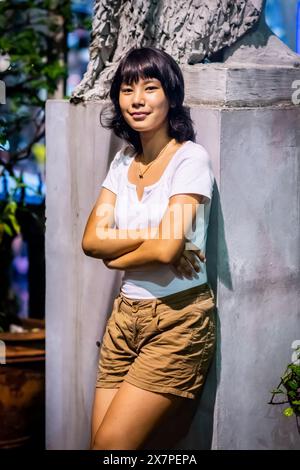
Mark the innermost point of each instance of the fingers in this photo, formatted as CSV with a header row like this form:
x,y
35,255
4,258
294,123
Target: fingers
x,y
107,261
186,268
188,264
199,254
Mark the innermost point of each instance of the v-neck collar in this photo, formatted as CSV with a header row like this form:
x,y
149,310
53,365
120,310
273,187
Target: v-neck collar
x,y
151,186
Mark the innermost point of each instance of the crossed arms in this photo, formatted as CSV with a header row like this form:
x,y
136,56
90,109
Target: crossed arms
x,y
125,249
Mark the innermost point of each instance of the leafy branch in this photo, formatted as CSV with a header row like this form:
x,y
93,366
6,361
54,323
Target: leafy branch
x,y
289,387
33,36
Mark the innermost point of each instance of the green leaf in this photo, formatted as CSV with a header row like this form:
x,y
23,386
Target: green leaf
x,y
295,368
14,223
8,230
292,384
10,208
288,412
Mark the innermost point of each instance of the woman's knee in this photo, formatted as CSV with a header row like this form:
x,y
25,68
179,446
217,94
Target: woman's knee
x,y
112,440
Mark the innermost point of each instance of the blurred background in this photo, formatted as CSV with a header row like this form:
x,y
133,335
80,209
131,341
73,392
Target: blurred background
x,y
32,75
43,54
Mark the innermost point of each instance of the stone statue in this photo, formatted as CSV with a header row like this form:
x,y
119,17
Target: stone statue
x,y
191,31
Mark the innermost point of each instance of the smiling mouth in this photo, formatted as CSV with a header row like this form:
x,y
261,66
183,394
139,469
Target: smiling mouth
x,y
139,116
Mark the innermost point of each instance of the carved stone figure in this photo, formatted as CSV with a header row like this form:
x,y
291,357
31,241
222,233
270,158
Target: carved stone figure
x,y
191,31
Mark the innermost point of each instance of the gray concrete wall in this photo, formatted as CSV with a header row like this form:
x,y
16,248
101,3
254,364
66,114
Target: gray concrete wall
x,y
253,264
80,290
258,286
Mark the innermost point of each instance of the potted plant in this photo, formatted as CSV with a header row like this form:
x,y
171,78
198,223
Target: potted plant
x,y
22,387
288,390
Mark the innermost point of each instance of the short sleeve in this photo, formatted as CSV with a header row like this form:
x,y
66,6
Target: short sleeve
x,y
111,180
193,174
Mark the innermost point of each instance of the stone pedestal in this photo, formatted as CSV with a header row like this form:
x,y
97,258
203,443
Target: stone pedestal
x,y
240,85
245,117
253,137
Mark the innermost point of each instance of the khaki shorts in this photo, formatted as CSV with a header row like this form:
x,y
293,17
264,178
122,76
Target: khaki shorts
x,y
163,345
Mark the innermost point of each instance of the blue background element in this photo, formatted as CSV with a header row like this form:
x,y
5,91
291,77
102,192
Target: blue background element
x,y
282,18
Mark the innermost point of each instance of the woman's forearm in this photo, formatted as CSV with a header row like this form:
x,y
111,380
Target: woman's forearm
x,y
148,253
110,243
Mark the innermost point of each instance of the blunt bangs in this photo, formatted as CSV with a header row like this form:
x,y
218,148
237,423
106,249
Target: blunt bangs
x,y
139,66
149,62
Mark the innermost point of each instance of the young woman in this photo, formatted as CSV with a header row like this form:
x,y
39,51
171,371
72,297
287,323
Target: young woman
x,y
150,220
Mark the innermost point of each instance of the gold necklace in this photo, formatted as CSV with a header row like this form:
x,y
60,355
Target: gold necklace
x,y
141,174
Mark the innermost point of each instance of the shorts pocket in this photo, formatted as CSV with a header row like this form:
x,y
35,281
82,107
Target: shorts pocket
x,y
190,316
170,318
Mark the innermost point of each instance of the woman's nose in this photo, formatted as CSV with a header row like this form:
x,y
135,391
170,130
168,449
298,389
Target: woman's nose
x,y
138,97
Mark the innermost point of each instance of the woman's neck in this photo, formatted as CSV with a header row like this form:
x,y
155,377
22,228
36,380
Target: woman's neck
x,y
153,144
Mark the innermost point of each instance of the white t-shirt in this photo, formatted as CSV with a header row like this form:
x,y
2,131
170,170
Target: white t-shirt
x,y
188,171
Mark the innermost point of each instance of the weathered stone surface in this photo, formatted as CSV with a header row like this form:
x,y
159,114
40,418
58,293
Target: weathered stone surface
x,y
189,30
239,85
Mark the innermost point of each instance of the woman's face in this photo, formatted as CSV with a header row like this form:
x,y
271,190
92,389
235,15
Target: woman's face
x,y
146,98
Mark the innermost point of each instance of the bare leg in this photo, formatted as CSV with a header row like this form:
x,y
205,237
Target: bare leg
x,y
132,416
102,400
173,429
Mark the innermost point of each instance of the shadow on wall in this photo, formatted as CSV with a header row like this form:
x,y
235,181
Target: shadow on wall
x,y
200,434
192,426
218,269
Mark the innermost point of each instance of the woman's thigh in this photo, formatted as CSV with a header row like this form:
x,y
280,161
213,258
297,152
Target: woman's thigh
x,y
174,428
102,400
134,413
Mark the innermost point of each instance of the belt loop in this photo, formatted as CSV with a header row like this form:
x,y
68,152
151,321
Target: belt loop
x,y
153,308
211,292
119,300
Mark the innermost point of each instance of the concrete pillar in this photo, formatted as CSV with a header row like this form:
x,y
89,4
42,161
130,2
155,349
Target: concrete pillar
x,y
254,256
79,290
248,117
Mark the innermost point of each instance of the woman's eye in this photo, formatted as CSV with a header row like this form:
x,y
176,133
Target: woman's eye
x,y
125,90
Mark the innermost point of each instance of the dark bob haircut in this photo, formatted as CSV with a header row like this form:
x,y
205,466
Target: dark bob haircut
x,y
149,62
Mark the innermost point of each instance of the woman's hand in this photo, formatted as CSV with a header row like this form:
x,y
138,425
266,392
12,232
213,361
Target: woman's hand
x,y
188,262
109,263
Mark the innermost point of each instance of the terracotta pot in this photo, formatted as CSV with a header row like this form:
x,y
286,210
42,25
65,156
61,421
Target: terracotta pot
x,y
22,388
